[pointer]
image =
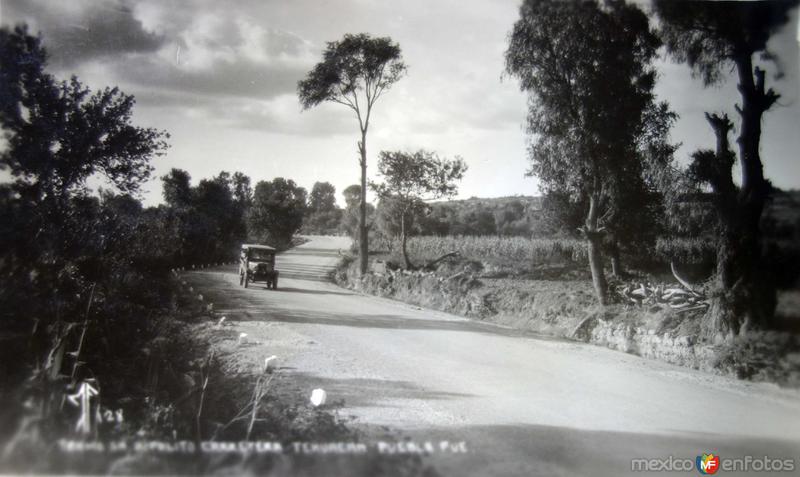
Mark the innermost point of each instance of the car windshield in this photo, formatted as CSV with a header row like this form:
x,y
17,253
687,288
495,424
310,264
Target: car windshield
x,y
260,255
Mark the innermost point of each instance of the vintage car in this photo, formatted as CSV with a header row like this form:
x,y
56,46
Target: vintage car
x,y
257,264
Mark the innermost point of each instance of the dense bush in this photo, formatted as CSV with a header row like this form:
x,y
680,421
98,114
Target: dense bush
x,y
204,223
277,212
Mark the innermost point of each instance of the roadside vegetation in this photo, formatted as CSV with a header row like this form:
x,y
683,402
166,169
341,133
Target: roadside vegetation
x,y
101,340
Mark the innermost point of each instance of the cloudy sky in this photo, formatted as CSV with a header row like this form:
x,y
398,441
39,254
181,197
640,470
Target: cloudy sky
x,y
221,78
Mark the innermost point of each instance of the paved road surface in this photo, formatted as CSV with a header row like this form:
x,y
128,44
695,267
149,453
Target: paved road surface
x,y
524,405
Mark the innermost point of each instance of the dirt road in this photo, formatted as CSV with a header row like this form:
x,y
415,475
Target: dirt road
x,y
524,405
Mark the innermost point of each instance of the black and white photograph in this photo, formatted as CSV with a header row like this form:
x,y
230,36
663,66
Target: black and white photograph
x,y
426,238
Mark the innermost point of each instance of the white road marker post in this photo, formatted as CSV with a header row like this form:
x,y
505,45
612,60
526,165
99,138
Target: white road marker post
x,y
318,397
268,366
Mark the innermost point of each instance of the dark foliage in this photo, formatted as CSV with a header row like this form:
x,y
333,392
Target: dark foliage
x,y
277,212
82,275
207,220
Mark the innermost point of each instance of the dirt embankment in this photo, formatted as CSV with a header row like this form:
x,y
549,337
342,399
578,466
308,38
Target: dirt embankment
x,y
565,307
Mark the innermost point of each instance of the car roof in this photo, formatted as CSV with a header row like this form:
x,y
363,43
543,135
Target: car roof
x,y
247,246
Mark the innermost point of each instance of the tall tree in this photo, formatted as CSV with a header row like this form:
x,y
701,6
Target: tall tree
x,y
322,197
587,69
410,179
277,211
714,38
355,72
242,200
215,215
176,188
242,190
352,196
322,214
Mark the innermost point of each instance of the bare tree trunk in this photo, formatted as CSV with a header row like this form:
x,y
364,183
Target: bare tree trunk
x,y
594,238
753,290
404,239
721,318
745,295
363,246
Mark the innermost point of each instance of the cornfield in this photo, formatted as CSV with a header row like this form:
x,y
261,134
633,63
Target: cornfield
x,y
544,250
506,249
686,250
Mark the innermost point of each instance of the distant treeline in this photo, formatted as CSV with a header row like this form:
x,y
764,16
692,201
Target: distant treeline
x,y
684,239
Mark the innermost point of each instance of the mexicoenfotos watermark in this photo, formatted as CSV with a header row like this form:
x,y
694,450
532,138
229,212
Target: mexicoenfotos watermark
x,y
709,464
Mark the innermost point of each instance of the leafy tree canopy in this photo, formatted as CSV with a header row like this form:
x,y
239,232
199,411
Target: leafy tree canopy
x,y
352,195
588,100
58,134
710,36
409,179
242,190
277,211
356,64
176,188
421,175
322,197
